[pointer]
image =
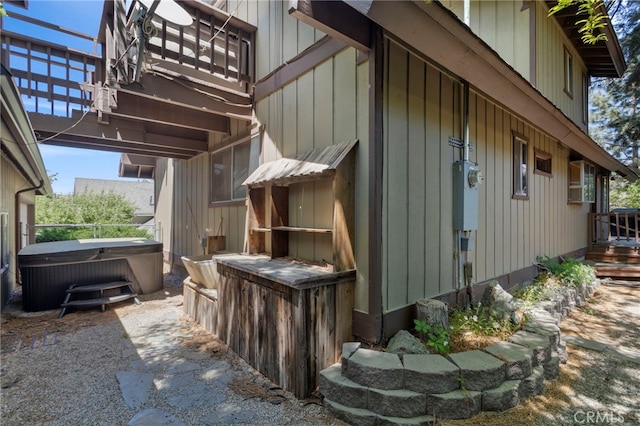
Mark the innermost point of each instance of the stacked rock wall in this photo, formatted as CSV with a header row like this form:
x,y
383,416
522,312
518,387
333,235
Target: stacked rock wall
x,y
376,388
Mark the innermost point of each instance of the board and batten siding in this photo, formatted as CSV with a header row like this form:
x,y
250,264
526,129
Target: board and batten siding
x,y
328,105
422,109
280,36
503,25
550,44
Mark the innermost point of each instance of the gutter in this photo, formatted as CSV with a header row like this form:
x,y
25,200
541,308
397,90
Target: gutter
x,y
17,221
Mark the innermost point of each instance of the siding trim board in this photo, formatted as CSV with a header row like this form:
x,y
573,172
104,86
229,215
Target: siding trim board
x,y
301,64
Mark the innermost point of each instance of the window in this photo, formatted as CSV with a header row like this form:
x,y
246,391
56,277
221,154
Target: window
x,y
230,166
582,182
520,173
542,163
568,73
585,98
4,240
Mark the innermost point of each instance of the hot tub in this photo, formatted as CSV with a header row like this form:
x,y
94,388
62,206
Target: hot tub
x,y
48,269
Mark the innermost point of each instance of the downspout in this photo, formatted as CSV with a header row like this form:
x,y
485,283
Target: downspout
x,y
465,157
17,221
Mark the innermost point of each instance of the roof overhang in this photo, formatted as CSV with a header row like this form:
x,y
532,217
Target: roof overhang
x,y
452,45
604,58
19,143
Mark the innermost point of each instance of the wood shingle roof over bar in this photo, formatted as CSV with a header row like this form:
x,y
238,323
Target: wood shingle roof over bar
x,y
317,163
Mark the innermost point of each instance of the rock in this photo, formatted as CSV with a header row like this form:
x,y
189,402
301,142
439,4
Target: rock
x,y
353,416
433,312
458,404
376,369
532,385
333,385
517,358
503,397
430,374
397,403
406,343
479,370
498,303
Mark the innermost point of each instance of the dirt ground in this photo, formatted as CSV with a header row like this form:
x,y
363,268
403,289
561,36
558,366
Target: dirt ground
x,y
593,387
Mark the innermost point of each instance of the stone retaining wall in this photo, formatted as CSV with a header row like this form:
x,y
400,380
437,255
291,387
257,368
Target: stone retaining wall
x,y
378,388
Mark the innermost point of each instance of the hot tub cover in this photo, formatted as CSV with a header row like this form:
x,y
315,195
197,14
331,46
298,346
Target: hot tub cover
x,y
89,249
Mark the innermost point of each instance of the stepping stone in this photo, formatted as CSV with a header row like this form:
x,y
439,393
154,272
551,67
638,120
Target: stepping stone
x,y
585,343
517,359
333,384
376,369
135,387
397,403
454,405
479,370
154,416
430,374
353,416
540,345
501,398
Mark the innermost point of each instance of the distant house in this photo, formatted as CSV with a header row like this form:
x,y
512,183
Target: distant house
x,y
22,177
139,193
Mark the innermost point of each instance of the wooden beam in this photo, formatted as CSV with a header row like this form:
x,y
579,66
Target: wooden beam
x,y
310,58
135,106
336,19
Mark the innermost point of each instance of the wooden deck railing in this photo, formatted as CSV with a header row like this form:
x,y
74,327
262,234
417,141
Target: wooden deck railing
x,y
621,228
51,77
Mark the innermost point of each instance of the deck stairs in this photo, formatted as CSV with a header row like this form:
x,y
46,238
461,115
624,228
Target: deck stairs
x,y
615,261
97,295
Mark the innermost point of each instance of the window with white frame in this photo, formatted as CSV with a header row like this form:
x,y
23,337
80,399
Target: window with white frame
x,y
520,168
230,166
568,72
582,182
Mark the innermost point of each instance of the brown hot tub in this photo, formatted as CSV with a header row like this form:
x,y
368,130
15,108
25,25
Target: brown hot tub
x,y
48,269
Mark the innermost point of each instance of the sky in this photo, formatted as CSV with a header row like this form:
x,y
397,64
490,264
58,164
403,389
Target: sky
x,y
82,16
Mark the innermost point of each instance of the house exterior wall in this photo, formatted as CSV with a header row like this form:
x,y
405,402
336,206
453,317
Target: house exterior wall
x,y
532,43
550,44
422,109
327,105
280,37
12,181
503,25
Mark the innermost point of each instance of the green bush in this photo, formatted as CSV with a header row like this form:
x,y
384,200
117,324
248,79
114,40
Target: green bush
x,y
86,208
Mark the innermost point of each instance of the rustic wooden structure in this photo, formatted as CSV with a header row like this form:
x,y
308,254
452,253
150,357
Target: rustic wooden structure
x,y
288,320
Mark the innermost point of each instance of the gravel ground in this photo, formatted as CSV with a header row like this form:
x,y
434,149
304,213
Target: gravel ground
x,y
63,371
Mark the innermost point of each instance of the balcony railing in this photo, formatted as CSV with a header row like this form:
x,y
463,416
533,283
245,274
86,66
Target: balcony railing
x,y
215,43
52,78
616,228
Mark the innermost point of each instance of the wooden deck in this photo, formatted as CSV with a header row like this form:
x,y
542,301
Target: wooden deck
x,y
616,260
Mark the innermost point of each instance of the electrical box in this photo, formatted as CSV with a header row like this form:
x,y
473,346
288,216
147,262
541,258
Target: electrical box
x,y
466,179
